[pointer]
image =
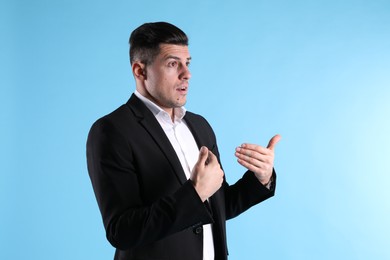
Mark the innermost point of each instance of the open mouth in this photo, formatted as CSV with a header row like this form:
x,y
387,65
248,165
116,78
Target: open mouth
x,y
182,89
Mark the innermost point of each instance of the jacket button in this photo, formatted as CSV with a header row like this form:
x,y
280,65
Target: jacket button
x,y
198,230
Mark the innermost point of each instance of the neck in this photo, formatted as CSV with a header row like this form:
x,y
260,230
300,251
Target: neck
x,y
169,110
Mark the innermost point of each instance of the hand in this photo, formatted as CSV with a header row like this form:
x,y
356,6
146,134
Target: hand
x,y
207,175
258,159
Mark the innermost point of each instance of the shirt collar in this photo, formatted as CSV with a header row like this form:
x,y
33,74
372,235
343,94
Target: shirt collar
x,y
179,112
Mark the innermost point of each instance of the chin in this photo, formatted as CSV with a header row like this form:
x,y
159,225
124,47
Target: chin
x,y
181,103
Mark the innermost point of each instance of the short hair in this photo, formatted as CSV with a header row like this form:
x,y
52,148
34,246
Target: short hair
x,y
145,40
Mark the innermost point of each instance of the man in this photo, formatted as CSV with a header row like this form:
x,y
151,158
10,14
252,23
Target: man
x,y
155,167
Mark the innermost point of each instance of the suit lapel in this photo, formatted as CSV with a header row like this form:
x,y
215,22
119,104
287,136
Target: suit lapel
x,y
151,125
199,133
195,131
201,136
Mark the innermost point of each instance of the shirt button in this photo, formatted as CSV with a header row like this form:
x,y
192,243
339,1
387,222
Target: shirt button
x,y
198,230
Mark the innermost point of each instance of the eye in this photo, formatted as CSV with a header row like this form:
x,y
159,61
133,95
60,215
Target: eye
x,y
172,64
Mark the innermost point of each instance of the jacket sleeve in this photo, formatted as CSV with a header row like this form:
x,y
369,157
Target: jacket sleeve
x,y
128,220
245,193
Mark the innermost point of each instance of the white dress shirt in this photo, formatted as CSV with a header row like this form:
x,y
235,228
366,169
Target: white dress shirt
x,y
187,151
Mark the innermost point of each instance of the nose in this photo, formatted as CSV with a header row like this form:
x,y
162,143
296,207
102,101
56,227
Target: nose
x,y
185,73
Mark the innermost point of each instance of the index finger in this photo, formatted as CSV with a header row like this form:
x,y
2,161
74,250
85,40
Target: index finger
x,y
211,157
254,147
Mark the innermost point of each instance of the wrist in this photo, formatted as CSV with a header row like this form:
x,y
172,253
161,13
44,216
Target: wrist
x,y
265,181
200,192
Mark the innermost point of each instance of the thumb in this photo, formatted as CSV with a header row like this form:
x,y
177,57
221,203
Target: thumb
x,y
274,140
203,155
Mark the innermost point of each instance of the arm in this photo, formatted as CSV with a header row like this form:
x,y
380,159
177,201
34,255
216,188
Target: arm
x,y
245,193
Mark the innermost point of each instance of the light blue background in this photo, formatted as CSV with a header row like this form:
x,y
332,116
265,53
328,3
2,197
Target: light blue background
x,y
317,72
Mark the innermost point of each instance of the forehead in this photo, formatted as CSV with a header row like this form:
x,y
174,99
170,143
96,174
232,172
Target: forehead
x,y
173,50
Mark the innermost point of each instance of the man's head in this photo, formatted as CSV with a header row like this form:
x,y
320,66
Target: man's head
x,y
160,63
145,40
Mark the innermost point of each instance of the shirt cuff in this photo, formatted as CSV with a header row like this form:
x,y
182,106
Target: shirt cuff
x,y
269,184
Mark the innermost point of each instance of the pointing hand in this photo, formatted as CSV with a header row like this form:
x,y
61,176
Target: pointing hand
x,y
207,175
258,159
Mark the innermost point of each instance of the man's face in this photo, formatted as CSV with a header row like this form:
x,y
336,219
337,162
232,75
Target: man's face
x,y
167,77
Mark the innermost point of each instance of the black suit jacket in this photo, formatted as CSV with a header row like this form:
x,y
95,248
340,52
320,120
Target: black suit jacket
x,y
149,209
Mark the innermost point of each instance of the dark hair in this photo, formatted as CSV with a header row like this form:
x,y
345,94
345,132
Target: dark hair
x,y
145,40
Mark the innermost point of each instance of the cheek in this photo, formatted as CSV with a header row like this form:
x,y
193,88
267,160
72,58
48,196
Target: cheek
x,y
153,82
170,75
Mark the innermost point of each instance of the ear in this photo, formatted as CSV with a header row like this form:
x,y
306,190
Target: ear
x,y
139,70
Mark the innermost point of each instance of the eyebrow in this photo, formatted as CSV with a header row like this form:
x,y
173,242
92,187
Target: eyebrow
x,y
176,58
